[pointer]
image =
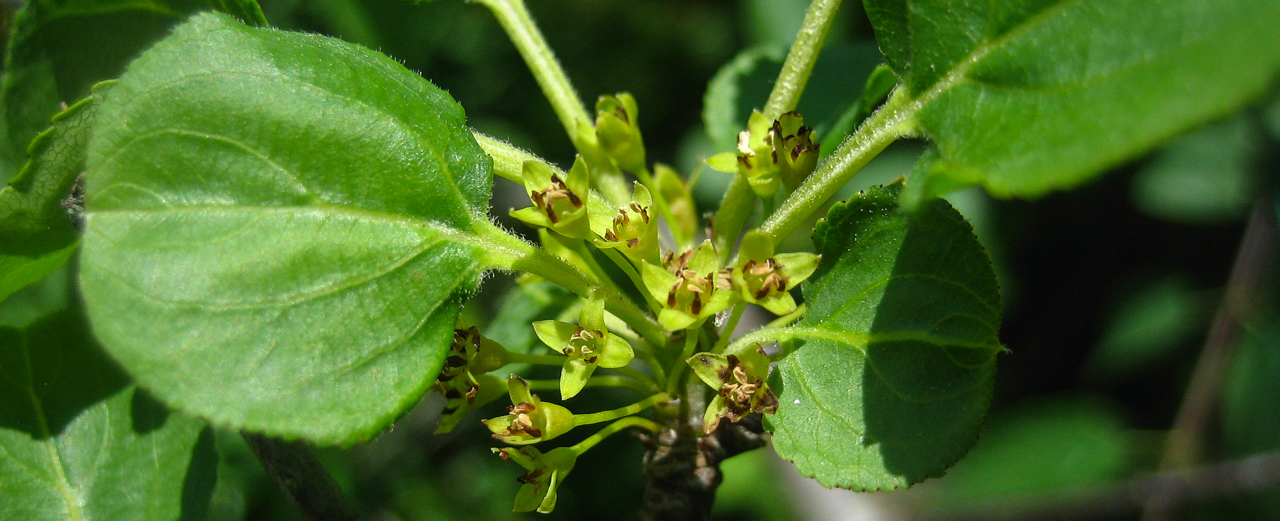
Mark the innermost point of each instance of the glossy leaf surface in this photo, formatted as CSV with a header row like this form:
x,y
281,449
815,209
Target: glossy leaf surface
x,y
79,441
278,229
894,372
1025,97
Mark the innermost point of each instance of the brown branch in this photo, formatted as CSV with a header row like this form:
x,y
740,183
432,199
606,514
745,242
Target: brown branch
x,y
308,485
1178,488
683,467
1239,301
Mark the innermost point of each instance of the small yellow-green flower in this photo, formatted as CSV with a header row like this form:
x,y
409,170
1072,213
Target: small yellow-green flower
x,y
530,419
695,291
793,149
739,383
754,158
462,380
558,204
545,473
765,278
587,344
633,231
618,131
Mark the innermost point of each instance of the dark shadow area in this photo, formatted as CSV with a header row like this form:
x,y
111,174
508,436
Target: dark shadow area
x,y
202,473
147,413
57,360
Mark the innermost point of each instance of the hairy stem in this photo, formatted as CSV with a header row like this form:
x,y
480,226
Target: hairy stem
x,y
735,208
504,251
520,27
893,120
308,485
508,160
800,59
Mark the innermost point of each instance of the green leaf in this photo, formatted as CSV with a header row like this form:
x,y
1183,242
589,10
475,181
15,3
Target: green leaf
x,y
1205,177
59,48
36,233
895,372
1037,96
1149,325
78,441
280,228
1042,447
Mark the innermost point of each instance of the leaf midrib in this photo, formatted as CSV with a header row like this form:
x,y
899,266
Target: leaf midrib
x,y
47,441
442,234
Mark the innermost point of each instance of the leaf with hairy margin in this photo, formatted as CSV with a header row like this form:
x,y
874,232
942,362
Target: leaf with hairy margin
x,y
58,49
280,228
893,376
36,231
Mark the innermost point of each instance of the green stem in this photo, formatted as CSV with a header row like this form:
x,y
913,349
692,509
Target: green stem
x,y
664,209
690,343
524,34
504,251
604,416
800,60
893,120
763,335
729,326
580,246
595,381
735,208
508,160
630,421
626,267
522,358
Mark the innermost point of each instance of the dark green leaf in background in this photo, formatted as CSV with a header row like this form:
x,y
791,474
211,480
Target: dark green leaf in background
x,y
895,372
278,227
1204,177
1027,97
36,231
1043,447
78,441
524,305
59,49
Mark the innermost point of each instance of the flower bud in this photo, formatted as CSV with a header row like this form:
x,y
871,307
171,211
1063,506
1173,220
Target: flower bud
x,y
545,473
618,131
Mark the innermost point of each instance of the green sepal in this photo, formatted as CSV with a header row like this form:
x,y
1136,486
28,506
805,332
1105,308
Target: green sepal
x,y
724,162
558,204
458,404
739,381
766,279
680,203
794,149
546,472
618,131
633,230
530,420
695,292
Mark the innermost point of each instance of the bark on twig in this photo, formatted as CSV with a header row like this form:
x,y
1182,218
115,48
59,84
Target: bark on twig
x,y
308,485
683,467
1180,488
1239,301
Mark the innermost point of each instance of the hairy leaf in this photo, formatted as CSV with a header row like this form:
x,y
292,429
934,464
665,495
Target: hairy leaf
x,y
279,229
59,48
36,223
78,441
1026,97
894,374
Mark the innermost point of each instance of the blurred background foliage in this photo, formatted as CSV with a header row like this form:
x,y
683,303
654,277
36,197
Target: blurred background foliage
x,y
1109,290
